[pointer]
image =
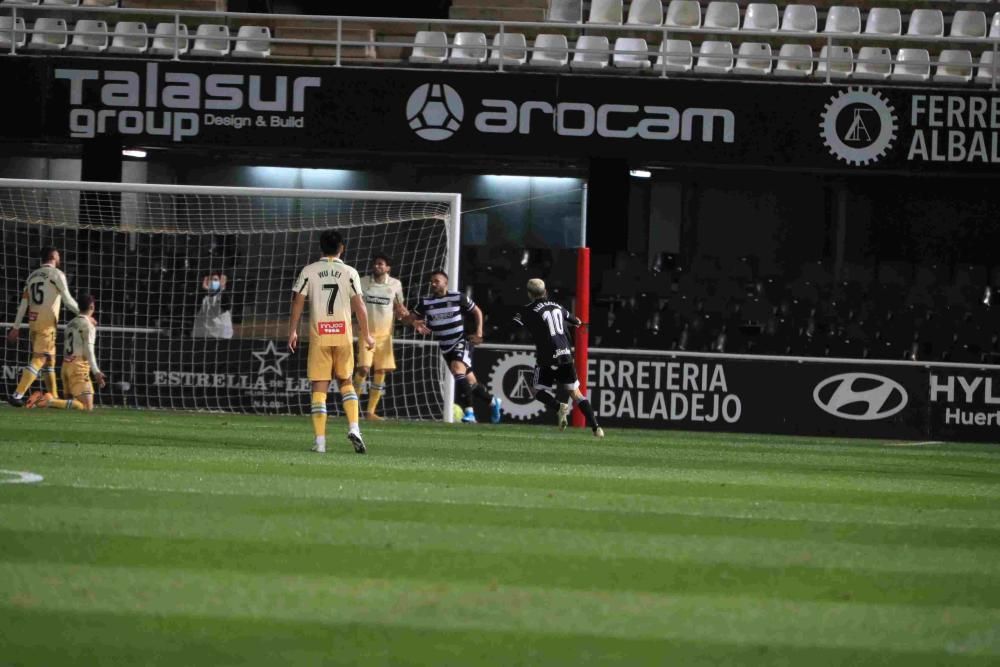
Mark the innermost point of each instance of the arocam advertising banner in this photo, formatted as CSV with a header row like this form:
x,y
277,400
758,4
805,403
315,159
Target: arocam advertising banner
x,y
523,113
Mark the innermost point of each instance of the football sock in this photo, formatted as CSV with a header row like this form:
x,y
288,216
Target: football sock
x,y
359,382
375,393
479,391
49,373
587,411
349,399
28,376
547,399
463,391
69,404
319,413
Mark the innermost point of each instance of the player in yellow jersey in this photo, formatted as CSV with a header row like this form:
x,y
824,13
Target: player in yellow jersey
x,y
44,292
334,290
79,363
383,296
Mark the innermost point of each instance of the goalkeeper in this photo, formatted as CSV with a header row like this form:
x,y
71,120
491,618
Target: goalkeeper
x,y
79,363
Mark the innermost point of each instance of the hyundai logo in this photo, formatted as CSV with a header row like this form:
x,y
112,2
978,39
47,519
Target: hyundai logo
x,y
860,396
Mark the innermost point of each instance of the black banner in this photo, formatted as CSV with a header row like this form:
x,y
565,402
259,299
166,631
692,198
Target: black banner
x,y
662,121
794,397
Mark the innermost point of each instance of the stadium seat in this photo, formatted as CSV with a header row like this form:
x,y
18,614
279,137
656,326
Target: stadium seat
x,y
61,3
44,35
605,11
926,23
253,41
724,15
469,48
645,12
884,21
995,25
794,60
912,65
630,53
591,52
169,37
954,66
715,58
843,20
429,46
550,51
89,36
129,37
874,62
985,73
676,55
799,18
841,62
754,59
761,17
966,23
515,49
19,2
686,14
20,36
211,39
565,11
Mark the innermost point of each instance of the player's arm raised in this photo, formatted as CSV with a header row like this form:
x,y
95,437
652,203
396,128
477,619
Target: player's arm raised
x,y
22,308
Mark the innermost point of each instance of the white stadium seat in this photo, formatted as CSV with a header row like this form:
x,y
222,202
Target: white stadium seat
x,y
839,59
725,15
515,49
884,21
550,51
843,20
761,16
90,36
926,23
676,55
715,58
253,41
169,37
61,3
565,11
429,47
7,24
683,14
874,62
985,73
591,52
912,65
469,48
799,18
794,60
211,39
44,35
966,23
754,59
19,2
605,11
995,25
129,37
630,53
645,12
954,66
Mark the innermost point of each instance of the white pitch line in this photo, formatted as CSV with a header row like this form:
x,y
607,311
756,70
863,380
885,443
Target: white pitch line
x,y
22,477
913,444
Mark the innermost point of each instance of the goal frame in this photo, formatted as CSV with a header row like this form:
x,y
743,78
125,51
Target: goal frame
x,y
454,223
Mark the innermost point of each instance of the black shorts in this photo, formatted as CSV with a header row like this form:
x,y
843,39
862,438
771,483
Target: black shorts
x,y
462,351
550,375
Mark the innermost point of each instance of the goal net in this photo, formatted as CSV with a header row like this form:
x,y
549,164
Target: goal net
x,y
166,339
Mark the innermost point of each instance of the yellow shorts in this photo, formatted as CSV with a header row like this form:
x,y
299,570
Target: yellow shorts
x,y
43,341
382,355
76,379
327,363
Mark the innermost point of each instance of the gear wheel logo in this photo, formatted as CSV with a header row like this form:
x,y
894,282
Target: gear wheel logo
x,y
512,380
858,126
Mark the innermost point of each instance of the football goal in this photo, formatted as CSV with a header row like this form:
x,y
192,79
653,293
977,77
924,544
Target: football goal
x,y
193,285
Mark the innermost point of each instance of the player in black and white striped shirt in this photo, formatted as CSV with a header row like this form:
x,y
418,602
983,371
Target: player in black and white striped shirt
x,y
442,313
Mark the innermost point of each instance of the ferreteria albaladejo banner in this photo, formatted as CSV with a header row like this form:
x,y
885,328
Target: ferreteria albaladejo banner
x,y
667,121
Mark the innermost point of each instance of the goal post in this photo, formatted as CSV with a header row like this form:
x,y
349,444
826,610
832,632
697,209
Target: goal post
x,y
147,251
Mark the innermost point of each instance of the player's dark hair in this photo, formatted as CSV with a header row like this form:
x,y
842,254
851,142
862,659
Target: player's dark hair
x,y
330,242
385,258
45,254
86,301
439,272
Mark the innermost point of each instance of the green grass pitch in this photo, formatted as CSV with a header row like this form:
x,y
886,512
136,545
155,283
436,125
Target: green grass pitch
x,y
161,538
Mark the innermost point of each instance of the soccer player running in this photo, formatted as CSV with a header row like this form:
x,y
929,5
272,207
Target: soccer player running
x,y
334,290
383,297
546,322
79,363
44,292
442,312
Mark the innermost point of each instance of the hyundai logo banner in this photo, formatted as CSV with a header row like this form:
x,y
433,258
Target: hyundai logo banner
x,y
670,121
794,397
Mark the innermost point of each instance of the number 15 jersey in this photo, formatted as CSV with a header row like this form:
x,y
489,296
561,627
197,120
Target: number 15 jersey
x,y
328,285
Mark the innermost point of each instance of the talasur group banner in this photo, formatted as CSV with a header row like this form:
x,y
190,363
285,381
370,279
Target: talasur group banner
x,y
663,121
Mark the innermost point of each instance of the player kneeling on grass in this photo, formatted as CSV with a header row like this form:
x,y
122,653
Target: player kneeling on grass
x,y
546,322
79,364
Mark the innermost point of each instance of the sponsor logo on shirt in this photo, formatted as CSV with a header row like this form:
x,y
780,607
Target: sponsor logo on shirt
x,y
331,328
377,300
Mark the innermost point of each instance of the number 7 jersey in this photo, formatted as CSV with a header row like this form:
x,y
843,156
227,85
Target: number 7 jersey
x,y
328,286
